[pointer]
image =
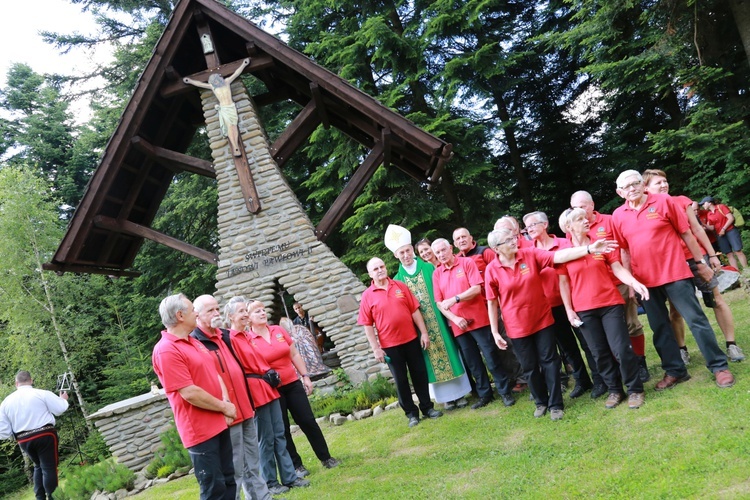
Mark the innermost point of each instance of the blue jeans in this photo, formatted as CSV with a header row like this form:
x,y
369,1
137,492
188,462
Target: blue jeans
x,y
682,295
540,362
606,333
272,445
246,458
214,470
473,345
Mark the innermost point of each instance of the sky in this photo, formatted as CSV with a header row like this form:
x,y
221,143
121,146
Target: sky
x,y
20,42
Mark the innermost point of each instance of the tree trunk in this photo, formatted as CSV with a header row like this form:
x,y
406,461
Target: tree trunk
x,y
741,14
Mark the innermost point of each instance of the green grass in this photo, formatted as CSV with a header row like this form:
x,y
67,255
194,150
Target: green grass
x,y
689,442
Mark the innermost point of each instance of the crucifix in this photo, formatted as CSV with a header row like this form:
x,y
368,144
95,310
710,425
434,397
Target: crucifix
x,y
228,121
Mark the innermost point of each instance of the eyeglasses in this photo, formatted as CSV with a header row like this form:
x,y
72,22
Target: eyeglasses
x,y
529,226
630,186
506,242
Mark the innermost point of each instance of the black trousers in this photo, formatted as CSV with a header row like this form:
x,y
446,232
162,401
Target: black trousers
x,y
42,450
477,343
294,399
214,467
407,361
566,340
541,367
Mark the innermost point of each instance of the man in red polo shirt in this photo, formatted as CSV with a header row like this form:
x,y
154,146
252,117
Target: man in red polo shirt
x,y
242,430
649,228
391,308
601,228
198,398
457,285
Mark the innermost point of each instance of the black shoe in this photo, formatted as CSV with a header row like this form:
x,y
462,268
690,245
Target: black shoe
x,y
302,471
579,390
433,413
482,403
508,399
599,390
643,373
330,463
413,421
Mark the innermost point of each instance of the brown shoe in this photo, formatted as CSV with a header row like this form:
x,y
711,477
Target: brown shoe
x,y
669,381
724,378
614,399
636,400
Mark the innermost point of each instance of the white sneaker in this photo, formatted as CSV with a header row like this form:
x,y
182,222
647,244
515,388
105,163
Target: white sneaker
x,y
735,353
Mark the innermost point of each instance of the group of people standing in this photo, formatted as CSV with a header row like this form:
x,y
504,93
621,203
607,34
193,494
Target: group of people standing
x,y
231,381
521,306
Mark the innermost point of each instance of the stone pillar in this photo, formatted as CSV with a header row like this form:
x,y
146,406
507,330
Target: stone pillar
x,y
131,428
278,244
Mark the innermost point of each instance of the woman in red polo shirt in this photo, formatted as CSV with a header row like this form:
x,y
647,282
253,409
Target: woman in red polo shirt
x,y
268,416
513,282
278,348
593,302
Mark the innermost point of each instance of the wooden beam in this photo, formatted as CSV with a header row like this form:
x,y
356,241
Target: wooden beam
x,y
205,37
176,87
320,106
353,188
385,138
295,134
173,160
133,229
60,269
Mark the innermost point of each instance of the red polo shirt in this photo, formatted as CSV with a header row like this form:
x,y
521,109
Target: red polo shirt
x,y
277,352
390,311
180,363
449,282
685,202
253,362
590,286
520,292
550,281
601,229
232,375
652,234
718,217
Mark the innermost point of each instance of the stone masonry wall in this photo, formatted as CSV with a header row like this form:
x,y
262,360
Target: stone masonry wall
x,y
278,244
131,428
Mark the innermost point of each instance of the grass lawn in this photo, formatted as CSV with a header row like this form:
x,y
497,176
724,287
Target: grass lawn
x,y
689,442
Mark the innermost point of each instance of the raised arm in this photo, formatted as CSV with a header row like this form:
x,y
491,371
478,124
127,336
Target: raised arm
x,y
237,72
196,83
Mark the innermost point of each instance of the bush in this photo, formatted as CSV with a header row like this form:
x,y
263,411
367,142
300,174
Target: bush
x,y
104,476
170,456
347,399
95,448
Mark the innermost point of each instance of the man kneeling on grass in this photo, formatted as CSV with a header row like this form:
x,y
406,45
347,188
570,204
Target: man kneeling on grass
x,y
391,308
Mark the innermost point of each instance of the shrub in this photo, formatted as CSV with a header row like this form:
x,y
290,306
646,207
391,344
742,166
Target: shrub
x,y
104,476
95,448
347,399
171,454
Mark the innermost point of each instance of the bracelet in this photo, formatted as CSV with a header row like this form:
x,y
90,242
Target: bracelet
x,y
458,299
588,250
712,256
305,375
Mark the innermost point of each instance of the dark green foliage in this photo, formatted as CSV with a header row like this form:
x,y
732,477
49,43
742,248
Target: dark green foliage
x,y
171,456
104,476
347,398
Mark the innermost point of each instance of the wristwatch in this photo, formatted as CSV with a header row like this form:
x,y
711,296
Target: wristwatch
x,y
458,299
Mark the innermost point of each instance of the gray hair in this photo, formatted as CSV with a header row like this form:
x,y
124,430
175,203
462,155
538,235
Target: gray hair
x,y
170,306
498,235
287,324
540,215
568,216
584,194
626,174
507,221
199,302
231,308
441,241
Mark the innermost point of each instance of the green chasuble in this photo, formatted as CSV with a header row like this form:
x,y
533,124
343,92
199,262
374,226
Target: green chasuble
x,y
442,358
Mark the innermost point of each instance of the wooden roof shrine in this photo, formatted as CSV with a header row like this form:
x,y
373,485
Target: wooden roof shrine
x,y
148,146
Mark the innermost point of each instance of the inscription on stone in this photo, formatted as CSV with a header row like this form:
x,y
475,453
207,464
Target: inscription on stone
x,y
258,260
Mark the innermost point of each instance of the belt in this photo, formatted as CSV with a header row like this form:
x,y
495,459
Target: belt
x,y
32,432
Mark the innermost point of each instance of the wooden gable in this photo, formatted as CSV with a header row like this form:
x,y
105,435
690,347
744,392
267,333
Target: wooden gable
x,y
148,146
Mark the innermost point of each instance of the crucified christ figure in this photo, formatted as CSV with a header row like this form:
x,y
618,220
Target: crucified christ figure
x,y
228,118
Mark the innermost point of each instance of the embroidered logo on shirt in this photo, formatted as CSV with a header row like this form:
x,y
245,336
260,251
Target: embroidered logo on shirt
x,y
525,269
399,294
459,272
601,232
652,213
280,337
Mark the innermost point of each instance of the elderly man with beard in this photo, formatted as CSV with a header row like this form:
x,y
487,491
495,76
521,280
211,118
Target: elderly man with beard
x,y
445,371
242,430
457,284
